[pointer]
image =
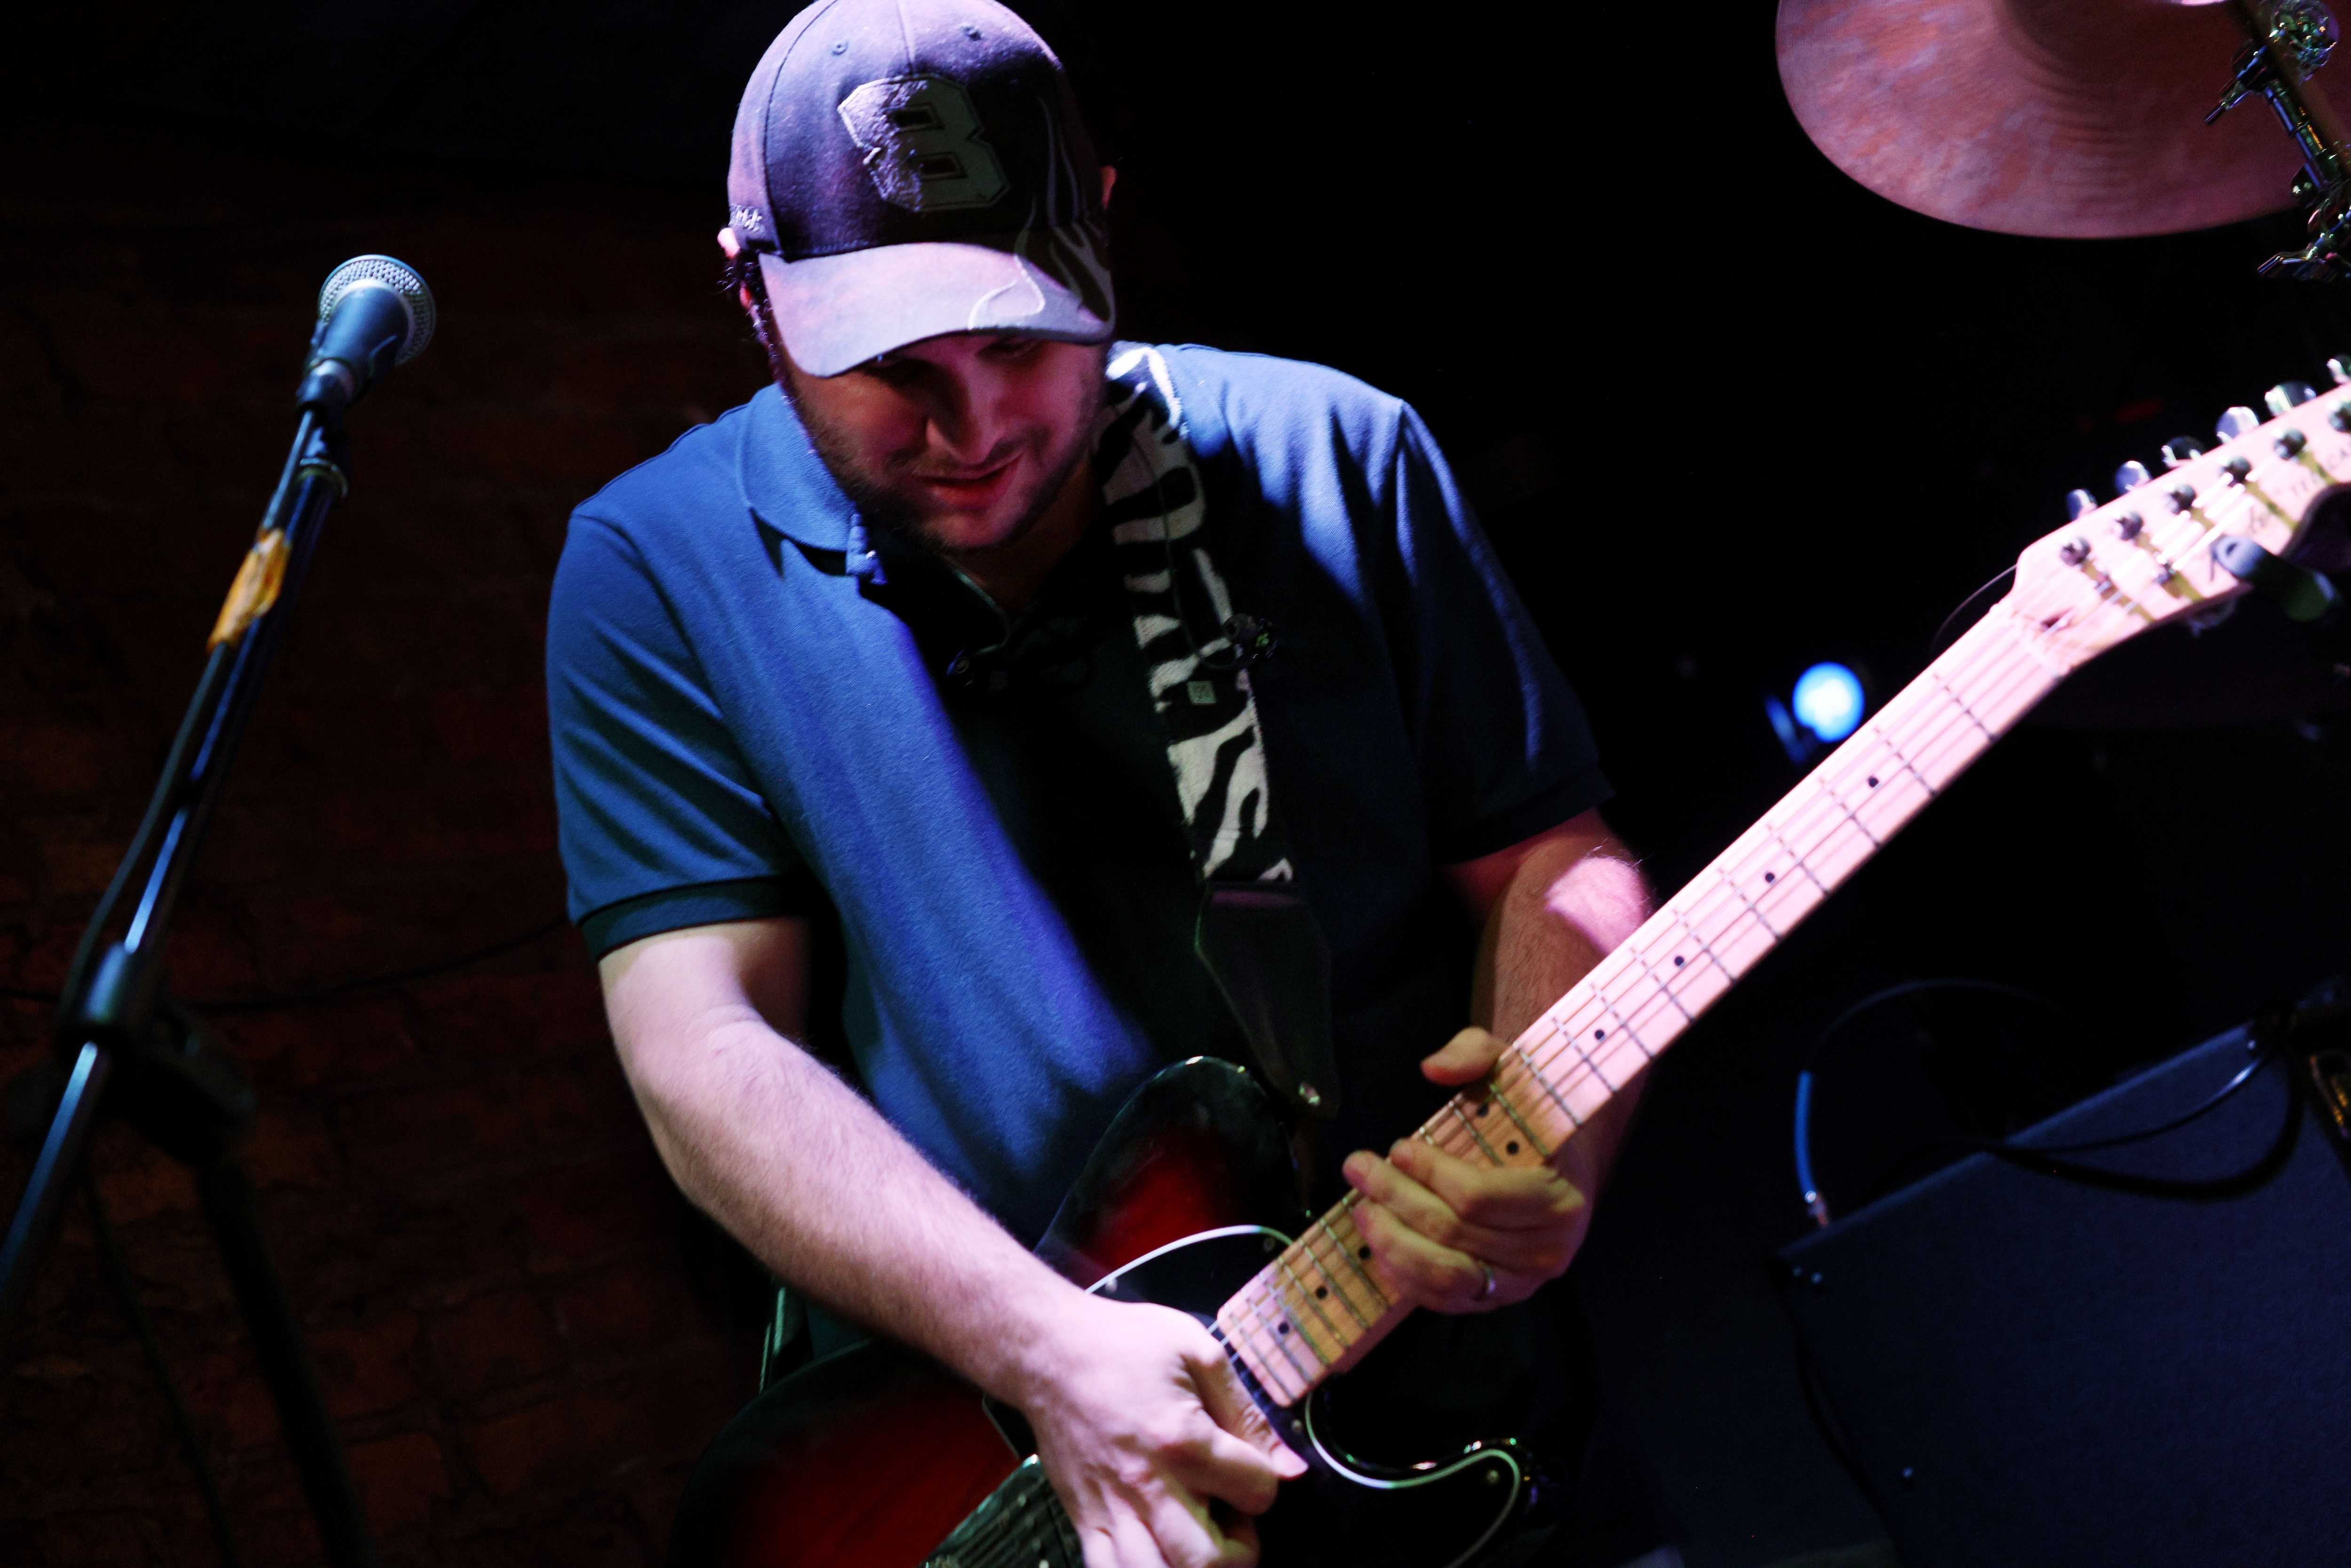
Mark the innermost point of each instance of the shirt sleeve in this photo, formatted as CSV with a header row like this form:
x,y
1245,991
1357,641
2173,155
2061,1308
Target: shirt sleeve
x,y
1504,748
659,823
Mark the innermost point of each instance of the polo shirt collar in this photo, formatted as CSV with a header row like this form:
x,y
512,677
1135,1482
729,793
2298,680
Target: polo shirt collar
x,y
785,483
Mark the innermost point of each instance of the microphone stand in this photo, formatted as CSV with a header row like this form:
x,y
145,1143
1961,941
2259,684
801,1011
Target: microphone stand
x,y
126,1049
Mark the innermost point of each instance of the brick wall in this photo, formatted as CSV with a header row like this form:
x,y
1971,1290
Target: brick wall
x,y
500,1287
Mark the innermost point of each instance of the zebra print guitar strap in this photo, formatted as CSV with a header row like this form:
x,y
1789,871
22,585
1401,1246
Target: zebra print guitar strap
x,y
1256,935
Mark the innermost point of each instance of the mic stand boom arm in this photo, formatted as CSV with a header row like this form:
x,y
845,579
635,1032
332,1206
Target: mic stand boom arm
x,y
124,1047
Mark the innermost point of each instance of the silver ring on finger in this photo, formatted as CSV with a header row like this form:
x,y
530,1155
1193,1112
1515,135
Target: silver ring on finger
x,y
1485,1291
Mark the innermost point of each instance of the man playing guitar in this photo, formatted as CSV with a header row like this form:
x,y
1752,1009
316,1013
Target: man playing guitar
x,y
937,638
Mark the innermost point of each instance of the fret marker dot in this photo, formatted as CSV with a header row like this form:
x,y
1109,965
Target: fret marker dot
x,y
1770,876
1322,1292
1281,1328
1484,1106
1510,1148
1600,1034
1873,781
1677,961
1362,1251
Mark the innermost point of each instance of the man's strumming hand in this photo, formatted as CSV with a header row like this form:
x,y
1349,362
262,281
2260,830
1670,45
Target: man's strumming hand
x,y
1436,1223
1141,1422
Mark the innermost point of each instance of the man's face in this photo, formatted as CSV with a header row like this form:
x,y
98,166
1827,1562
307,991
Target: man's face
x,y
956,443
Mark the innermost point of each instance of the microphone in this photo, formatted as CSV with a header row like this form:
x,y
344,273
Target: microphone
x,y
373,313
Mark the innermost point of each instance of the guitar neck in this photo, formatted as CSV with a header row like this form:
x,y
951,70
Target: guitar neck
x,y
1317,1307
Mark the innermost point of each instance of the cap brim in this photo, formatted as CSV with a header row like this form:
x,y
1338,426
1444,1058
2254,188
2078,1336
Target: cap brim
x,y
836,312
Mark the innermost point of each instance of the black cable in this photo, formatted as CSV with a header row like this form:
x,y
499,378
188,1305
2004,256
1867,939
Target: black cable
x,y
340,988
1936,643
118,1274
1807,1184
2265,1046
2040,1158
2043,1158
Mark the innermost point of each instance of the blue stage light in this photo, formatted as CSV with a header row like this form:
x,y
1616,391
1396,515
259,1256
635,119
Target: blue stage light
x,y
1828,701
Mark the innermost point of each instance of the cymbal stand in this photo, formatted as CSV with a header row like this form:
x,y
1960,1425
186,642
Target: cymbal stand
x,y
2287,41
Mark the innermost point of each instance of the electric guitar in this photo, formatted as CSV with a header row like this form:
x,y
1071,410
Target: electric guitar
x,y
877,1458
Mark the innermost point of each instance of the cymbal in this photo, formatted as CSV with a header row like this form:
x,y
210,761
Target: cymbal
x,y
2081,118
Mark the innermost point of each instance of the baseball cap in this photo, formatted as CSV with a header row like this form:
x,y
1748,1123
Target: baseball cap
x,y
906,168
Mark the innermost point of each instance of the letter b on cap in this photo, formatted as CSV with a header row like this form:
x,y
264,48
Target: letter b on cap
x,y
923,143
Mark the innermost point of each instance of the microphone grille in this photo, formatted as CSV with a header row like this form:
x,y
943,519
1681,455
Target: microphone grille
x,y
396,275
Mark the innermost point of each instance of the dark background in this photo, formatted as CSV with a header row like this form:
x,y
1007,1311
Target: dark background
x,y
1724,411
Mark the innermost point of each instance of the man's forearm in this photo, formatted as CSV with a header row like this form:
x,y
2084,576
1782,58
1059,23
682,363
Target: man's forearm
x,y
797,1165
1566,907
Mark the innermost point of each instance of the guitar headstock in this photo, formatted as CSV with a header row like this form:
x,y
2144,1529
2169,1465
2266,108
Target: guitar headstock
x,y
2147,557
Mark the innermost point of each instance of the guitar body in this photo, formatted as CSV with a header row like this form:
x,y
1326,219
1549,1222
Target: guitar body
x,y
877,1458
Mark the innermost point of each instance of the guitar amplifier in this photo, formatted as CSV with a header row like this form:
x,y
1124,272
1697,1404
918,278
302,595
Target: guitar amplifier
x,y
2137,1355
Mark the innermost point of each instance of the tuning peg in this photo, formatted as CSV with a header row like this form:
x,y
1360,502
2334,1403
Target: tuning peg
x,y
2236,421
2181,449
2078,502
2287,396
2339,367
2131,475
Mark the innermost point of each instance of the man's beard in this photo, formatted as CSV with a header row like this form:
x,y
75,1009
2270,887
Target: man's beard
x,y
897,520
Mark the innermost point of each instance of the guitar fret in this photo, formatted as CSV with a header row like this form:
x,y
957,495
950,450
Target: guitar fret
x,y
1689,976
1347,1251
1607,1043
1494,1096
1901,762
1665,989
1339,1339
1240,1339
1801,864
1623,1025
1281,1342
1944,685
1573,1120
1330,1283
1754,914
1636,1000
1469,1127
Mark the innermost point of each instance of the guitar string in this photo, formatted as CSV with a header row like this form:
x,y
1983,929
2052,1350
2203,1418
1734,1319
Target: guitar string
x,y
1942,702
1944,705
1959,688
1695,914
1954,697
1693,918
1816,812
1016,1542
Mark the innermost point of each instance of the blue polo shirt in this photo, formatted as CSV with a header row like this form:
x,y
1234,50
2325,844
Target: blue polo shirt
x,y
745,728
